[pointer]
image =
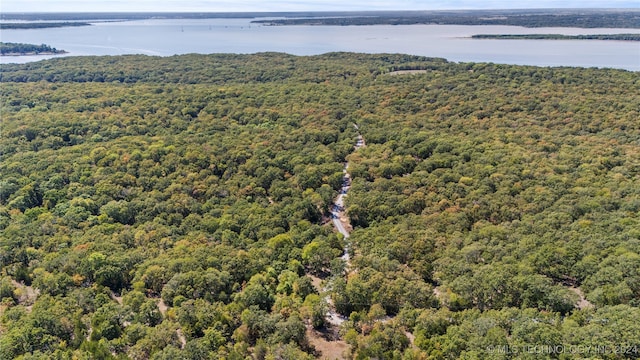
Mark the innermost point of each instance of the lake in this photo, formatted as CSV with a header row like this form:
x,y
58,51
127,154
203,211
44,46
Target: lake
x,y
179,36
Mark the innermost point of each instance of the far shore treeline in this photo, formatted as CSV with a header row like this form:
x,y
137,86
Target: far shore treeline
x,y
581,18
39,25
619,37
7,49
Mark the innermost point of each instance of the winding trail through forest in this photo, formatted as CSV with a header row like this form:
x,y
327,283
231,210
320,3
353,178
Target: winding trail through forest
x,y
341,223
328,342
338,215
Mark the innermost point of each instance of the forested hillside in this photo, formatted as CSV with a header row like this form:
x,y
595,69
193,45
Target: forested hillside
x,y
176,208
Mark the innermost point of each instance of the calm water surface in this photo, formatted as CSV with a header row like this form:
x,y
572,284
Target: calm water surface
x,y
180,36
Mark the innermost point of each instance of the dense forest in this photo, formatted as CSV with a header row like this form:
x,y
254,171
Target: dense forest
x,y
178,208
23,49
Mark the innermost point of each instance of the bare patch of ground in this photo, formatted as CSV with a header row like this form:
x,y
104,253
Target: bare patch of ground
x,y
407,72
328,344
411,338
437,293
118,299
27,294
583,303
162,307
181,338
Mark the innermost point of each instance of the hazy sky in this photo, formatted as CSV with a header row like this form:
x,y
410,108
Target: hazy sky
x,y
297,5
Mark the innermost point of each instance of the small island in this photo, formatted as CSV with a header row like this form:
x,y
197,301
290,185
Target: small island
x,y
618,37
17,49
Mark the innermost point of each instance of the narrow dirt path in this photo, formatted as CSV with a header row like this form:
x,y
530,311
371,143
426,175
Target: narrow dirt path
x,y
338,211
327,341
341,223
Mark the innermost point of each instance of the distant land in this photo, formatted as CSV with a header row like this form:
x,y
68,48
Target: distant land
x,y
586,18
39,25
618,37
525,18
17,49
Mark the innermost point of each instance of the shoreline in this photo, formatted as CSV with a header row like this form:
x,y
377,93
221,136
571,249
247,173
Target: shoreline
x,y
600,37
46,53
40,25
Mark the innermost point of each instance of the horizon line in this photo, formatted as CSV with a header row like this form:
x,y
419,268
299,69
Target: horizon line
x,y
314,11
